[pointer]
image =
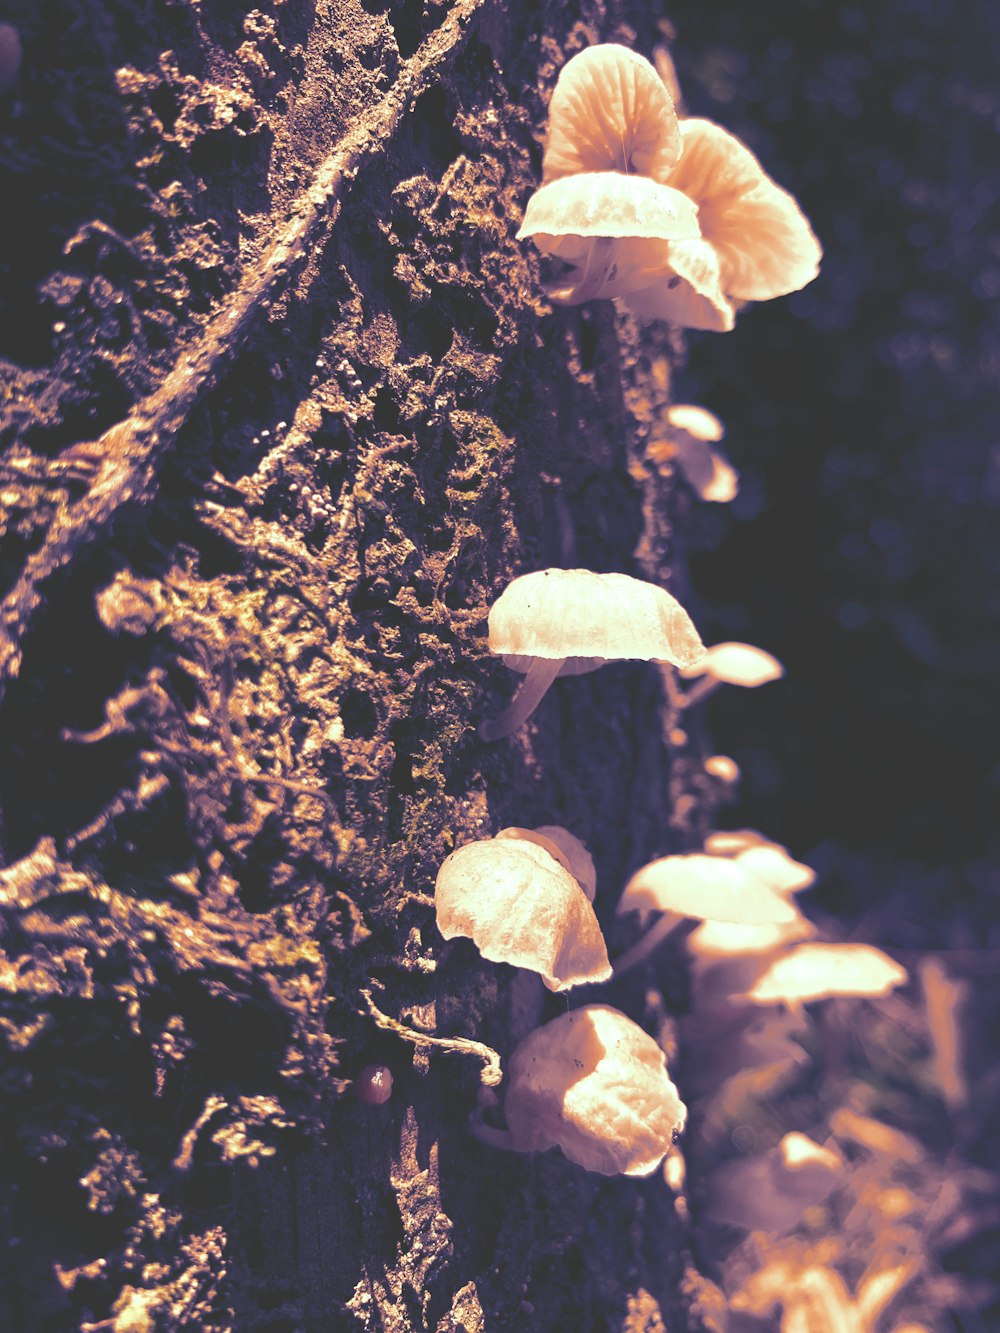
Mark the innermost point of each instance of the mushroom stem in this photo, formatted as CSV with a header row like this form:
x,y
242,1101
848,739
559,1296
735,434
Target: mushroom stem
x,y
701,689
645,945
539,677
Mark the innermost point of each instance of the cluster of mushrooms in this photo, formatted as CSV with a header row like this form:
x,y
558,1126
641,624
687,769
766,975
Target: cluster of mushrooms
x,y
678,220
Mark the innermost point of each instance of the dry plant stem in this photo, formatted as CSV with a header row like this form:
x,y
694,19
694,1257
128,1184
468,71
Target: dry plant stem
x,y
491,1073
539,677
700,690
131,451
643,947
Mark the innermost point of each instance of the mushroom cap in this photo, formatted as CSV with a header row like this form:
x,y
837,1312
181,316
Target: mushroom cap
x,y
737,664
706,470
611,111
689,293
722,767
768,860
581,863
606,203
519,906
706,887
698,422
821,971
772,1191
594,1084
716,941
765,245
540,840
573,613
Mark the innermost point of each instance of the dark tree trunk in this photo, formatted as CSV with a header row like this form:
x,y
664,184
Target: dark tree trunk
x,y
283,411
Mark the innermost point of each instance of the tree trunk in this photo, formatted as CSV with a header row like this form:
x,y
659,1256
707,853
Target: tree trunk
x,y
284,410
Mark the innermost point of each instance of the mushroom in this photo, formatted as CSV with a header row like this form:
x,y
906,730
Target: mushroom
x,y
581,863
518,905
594,1084
610,111
772,1191
755,242
820,971
768,860
571,621
730,664
609,230
688,442
709,888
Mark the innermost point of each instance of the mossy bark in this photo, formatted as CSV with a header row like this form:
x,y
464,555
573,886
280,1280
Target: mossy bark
x,y
256,502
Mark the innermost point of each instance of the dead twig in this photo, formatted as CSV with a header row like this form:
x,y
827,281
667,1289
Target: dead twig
x,y
131,451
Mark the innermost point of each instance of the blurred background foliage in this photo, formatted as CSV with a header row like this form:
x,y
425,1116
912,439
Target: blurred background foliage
x,y
863,415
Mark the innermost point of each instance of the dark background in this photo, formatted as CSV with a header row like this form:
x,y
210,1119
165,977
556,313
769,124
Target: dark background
x,y
863,415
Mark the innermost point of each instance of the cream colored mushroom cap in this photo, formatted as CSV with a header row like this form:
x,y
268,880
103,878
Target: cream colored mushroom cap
x,y
821,971
576,614
765,245
606,203
738,664
768,860
611,111
519,906
594,1084
581,863
709,888
696,421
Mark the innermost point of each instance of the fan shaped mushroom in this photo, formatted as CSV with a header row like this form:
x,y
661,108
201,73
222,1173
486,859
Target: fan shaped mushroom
x,y
518,905
595,1085
571,621
610,111
755,243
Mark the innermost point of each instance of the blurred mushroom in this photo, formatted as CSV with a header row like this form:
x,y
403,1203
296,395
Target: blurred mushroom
x,y
689,441
12,53
570,621
768,860
772,1191
520,906
610,111
820,971
595,1085
730,664
708,888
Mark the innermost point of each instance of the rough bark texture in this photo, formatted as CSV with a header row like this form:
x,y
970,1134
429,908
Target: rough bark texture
x,y
289,414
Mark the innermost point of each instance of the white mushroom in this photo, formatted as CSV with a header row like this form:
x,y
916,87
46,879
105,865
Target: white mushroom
x,y
610,231
594,1084
820,971
689,441
518,905
571,621
708,888
731,664
610,111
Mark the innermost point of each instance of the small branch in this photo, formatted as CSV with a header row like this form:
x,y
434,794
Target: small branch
x,y
491,1073
130,452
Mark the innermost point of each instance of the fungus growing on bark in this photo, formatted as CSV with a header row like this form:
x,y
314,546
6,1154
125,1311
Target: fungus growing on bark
x,y
608,229
730,664
518,905
595,1085
755,241
610,111
690,440
821,971
709,888
567,849
566,622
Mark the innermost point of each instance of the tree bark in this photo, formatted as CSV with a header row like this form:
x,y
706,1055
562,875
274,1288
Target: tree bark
x,y
284,410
